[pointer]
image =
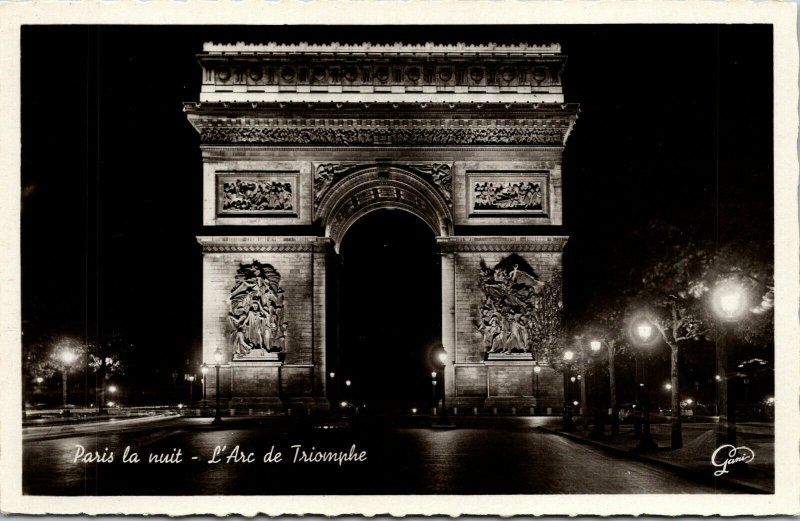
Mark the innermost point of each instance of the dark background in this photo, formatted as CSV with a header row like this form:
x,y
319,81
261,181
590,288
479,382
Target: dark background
x,y
675,124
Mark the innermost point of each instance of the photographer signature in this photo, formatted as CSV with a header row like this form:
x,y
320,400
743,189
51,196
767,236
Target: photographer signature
x,y
729,455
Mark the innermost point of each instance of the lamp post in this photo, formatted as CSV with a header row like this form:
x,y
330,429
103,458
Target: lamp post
x,y
204,372
191,390
333,391
644,337
439,358
433,392
567,417
217,361
598,427
536,370
443,418
174,375
112,389
729,304
67,357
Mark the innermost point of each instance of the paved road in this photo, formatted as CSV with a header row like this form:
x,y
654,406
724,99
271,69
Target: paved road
x,y
510,457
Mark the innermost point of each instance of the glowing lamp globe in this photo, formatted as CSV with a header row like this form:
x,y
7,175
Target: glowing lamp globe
x,y
68,357
218,356
568,355
644,331
537,369
595,345
729,301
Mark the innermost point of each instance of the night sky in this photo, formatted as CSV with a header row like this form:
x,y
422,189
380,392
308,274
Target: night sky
x,y
675,125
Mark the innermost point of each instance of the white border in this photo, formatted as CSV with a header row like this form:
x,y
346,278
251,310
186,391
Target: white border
x,y
782,14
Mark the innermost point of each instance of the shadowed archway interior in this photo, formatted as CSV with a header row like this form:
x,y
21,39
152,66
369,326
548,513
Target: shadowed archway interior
x,y
390,310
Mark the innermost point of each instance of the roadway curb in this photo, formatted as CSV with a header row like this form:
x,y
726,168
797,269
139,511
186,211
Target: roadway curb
x,y
679,469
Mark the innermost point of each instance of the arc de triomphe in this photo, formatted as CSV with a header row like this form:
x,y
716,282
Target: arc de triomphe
x,y
299,137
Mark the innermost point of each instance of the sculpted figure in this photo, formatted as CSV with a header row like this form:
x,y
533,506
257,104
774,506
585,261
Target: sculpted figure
x,y
256,310
510,297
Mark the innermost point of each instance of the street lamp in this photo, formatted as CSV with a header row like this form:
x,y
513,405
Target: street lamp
x,y
112,389
567,417
67,357
729,303
536,370
433,392
191,378
217,361
440,357
598,427
204,372
644,337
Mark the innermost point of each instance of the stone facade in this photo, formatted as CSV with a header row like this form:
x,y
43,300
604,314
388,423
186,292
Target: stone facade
x,y
318,136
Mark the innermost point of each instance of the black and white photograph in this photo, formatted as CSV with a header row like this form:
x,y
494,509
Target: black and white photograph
x,y
405,262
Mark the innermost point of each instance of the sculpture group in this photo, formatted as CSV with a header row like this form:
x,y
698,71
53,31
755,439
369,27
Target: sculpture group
x,y
256,311
256,196
506,316
508,196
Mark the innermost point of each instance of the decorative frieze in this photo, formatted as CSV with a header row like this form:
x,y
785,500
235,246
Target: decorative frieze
x,y
400,136
395,68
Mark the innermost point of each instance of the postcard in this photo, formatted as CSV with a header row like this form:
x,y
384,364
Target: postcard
x,y
400,259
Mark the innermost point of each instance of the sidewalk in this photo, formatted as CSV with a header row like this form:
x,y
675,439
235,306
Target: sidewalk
x,y
694,458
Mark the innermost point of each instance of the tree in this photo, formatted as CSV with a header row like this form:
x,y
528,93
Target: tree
x,y
676,282
42,356
607,325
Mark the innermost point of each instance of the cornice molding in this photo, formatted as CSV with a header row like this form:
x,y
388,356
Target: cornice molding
x,y
370,48
257,244
553,244
469,109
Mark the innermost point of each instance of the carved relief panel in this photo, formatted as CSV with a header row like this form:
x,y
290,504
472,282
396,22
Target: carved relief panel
x,y
507,193
519,314
256,311
256,194
507,318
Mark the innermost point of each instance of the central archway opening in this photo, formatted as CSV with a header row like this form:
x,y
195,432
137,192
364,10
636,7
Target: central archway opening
x,y
390,311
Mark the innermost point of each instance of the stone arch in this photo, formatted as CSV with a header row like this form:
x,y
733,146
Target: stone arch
x,y
375,188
